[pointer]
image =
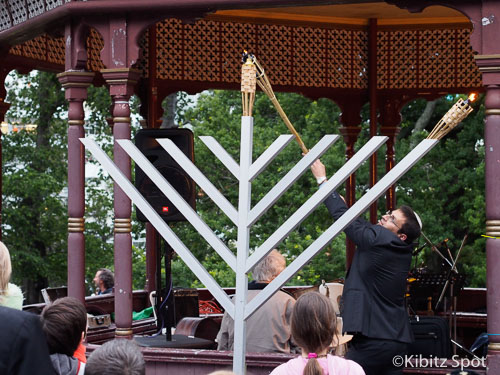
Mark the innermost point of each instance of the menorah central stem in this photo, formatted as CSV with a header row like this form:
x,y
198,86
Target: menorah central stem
x,y
243,243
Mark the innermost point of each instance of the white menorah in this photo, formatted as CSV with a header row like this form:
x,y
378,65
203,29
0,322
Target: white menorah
x,y
245,216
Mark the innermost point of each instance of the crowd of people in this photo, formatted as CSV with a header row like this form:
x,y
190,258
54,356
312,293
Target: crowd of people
x,y
53,343
372,308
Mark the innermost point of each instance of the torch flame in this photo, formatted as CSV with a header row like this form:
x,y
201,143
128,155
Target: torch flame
x,y
472,97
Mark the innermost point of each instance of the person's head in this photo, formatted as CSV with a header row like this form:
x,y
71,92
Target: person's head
x,y
116,357
313,326
64,322
104,279
403,222
5,269
268,268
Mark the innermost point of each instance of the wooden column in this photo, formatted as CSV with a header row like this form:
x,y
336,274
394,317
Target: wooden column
x,y
350,134
153,115
390,160
121,83
390,119
76,83
351,108
490,68
372,88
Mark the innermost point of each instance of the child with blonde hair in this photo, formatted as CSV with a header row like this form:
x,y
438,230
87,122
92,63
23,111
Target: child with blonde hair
x,y
10,294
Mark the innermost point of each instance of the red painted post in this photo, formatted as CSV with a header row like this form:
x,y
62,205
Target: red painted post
x,y
390,119
390,161
489,65
350,134
372,87
121,83
76,83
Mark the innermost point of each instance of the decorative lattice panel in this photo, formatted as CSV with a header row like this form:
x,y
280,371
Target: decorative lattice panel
x,y
404,58
209,51
467,71
4,19
22,10
170,49
95,44
309,51
55,51
18,11
202,51
426,59
16,50
359,56
142,61
51,4
274,53
383,60
236,37
291,55
36,49
339,58
437,58
35,8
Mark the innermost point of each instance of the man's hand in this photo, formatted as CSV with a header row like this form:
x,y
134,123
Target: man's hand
x,y
318,169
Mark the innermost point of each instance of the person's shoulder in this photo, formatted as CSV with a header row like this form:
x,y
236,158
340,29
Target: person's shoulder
x,y
284,294
14,315
295,366
14,297
344,366
19,322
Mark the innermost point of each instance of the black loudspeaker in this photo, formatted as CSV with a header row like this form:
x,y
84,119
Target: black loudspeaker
x,y
145,140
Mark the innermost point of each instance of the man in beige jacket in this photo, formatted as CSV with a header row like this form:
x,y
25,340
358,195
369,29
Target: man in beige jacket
x,y
268,329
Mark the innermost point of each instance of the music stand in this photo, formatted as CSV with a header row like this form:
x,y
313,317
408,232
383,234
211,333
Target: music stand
x,y
425,285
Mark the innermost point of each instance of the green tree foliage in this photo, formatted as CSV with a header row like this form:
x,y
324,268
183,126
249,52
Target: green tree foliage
x,y
218,114
34,212
34,175
447,188
99,251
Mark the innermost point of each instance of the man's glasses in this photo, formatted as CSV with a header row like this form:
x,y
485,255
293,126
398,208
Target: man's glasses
x,y
393,218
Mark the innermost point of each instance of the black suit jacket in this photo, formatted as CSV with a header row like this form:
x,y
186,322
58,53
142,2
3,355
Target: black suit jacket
x,y
373,299
23,347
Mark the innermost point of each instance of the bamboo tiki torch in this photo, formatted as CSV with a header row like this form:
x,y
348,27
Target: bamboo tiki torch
x,y
453,117
265,85
248,85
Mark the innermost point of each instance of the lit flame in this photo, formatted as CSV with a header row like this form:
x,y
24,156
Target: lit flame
x,y
472,97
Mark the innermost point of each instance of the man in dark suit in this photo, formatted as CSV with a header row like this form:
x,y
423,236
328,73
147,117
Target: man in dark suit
x,y
373,306
23,348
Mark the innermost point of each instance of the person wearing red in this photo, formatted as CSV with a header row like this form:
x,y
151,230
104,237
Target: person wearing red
x,y
65,322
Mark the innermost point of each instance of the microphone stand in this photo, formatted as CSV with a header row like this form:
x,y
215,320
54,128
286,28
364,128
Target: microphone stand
x,y
434,248
452,269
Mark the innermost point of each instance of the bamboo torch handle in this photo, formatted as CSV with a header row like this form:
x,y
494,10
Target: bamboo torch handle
x,y
289,125
272,97
266,87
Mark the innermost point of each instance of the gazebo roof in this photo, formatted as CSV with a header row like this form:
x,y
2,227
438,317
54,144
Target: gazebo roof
x,y
21,21
319,50
354,13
